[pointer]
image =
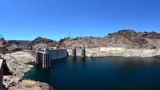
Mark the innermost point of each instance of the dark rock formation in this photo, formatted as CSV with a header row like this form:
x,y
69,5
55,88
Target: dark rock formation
x,y
151,35
124,38
23,44
131,39
81,41
2,42
11,45
43,42
14,47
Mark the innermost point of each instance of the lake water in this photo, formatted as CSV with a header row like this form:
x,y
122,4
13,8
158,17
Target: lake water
x,y
108,73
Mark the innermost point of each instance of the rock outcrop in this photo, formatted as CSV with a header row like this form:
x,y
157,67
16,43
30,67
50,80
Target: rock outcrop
x,y
123,38
21,44
8,46
40,42
81,41
17,64
2,42
132,39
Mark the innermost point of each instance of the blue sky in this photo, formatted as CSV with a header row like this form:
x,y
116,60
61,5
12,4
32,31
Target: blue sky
x,y
55,19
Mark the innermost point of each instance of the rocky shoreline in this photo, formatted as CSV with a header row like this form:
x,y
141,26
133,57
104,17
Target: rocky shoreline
x,y
116,51
17,64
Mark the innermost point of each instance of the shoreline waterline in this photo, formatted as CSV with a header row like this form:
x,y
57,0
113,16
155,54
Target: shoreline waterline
x,y
101,72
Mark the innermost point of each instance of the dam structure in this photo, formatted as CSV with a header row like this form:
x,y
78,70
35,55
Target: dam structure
x,y
77,52
45,55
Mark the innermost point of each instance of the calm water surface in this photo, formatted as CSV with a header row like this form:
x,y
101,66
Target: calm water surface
x,y
109,73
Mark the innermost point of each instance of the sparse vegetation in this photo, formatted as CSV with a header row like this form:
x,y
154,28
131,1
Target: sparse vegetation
x,y
30,85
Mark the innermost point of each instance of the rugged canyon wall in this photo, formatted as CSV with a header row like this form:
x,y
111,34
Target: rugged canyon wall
x,y
127,39
41,42
124,38
132,39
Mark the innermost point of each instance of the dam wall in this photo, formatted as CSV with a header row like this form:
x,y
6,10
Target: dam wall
x,y
44,56
53,54
116,51
77,50
57,54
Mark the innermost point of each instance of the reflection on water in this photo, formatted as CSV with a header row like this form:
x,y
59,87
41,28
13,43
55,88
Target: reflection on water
x,y
107,73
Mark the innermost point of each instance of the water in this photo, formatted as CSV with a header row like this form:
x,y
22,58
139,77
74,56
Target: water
x,y
109,73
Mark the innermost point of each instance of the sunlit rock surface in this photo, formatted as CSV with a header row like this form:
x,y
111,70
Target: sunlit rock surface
x,y
17,64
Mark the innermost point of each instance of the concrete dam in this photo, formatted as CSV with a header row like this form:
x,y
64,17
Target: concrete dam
x,y
45,55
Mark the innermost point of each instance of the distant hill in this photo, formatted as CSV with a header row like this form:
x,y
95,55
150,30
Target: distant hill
x,y
126,38
43,42
131,39
81,41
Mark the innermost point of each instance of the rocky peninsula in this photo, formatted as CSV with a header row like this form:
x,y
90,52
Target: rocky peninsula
x,y
17,63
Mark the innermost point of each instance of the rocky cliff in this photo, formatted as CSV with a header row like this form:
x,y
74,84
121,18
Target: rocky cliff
x,y
123,38
17,45
81,41
23,44
43,42
9,46
132,39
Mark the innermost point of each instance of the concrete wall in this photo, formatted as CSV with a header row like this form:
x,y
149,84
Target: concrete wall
x,y
53,54
57,54
78,52
117,51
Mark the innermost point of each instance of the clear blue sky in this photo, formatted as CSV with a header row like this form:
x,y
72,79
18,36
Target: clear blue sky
x,y
27,19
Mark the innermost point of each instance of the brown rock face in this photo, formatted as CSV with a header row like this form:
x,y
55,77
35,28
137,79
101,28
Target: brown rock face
x,y
3,45
132,39
81,41
151,35
23,44
2,42
124,38
43,42
14,47
8,47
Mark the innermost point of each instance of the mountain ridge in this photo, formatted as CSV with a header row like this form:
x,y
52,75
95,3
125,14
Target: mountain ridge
x,y
126,38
